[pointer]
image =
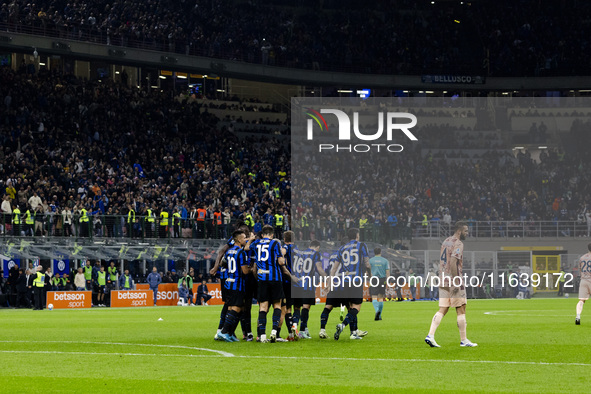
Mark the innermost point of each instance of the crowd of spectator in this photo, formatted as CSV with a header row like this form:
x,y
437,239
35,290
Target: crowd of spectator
x,y
397,195
394,37
18,283
69,145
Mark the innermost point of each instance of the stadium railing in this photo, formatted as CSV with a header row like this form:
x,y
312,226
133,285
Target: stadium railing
x,y
182,46
489,274
113,226
386,234
118,226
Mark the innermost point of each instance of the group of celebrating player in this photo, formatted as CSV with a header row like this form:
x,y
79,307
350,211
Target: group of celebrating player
x,y
273,273
278,276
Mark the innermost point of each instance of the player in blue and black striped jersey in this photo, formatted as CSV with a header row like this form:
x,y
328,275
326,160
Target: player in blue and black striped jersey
x,y
306,264
237,268
287,250
270,268
334,297
217,267
354,259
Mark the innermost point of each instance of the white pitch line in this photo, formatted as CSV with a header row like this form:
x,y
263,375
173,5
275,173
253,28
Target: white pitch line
x,y
112,354
510,313
220,352
536,363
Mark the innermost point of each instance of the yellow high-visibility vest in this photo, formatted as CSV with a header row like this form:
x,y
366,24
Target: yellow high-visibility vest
x,y
16,218
164,218
131,216
83,216
39,281
150,217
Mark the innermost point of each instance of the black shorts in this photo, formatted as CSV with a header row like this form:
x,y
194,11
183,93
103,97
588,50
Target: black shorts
x,y
270,291
250,286
380,289
335,298
287,301
356,301
101,289
234,298
301,297
299,302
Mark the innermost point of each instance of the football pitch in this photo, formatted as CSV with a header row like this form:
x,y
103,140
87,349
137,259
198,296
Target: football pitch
x,y
524,346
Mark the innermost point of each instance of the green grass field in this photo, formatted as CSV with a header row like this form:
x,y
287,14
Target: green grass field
x,y
524,346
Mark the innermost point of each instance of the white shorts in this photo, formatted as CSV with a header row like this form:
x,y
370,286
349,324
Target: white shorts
x,y
447,301
584,289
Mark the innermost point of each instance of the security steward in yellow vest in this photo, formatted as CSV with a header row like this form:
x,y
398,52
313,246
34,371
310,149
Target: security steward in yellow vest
x,y
16,221
83,222
149,222
278,226
38,288
363,224
163,223
248,220
305,226
29,222
176,223
130,221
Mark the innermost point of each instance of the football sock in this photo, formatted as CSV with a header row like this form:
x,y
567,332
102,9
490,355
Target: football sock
x,y
305,316
580,309
351,316
353,325
376,305
296,317
462,326
288,321
380,306
262,324
324,318
239,317
276,319
246,318
435,323
223,317
230,321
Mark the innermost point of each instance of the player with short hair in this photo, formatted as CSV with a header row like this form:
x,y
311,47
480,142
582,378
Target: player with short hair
x,y
585,285
333,298
450,267
270,268
354,258
222,274
306,263
286,308
237,268
380,268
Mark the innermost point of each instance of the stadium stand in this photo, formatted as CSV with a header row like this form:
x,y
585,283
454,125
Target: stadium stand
x,y
502,38
108,149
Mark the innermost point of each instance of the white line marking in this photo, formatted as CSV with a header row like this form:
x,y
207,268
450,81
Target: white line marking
x,y
536,363
110,354
512,313
220,352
